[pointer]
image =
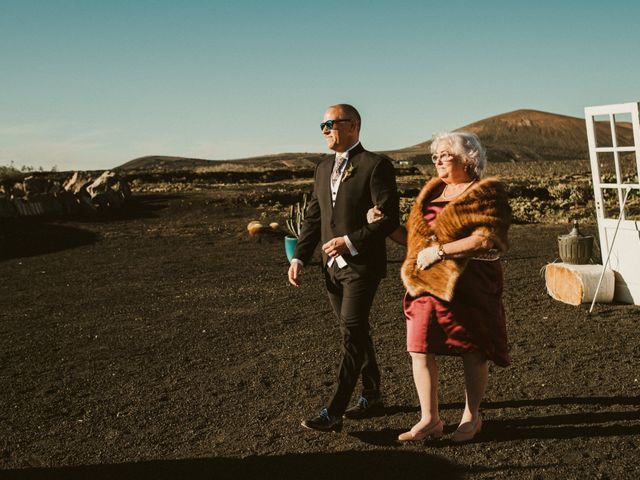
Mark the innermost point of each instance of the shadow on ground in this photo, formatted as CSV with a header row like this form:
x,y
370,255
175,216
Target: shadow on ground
x,y
137,207
29,237
369,465
602,423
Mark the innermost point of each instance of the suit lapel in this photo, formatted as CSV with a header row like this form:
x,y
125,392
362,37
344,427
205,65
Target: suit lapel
x,y
324,180
351,164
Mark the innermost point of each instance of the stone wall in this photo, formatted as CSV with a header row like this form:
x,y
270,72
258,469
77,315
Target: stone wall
x,y
79,194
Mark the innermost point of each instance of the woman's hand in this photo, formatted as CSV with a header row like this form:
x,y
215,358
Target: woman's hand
x,y
399,235
427,257
374,214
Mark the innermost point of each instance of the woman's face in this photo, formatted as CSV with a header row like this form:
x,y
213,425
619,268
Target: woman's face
x,y
449,167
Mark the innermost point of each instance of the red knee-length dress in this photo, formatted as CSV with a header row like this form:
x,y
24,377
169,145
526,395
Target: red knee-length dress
x,y
473,320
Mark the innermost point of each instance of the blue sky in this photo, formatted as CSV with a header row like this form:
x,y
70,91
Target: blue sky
x,y
92,84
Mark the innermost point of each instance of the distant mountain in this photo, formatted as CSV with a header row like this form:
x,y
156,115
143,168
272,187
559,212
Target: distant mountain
x,y
287,160
521,135
524,135
151,162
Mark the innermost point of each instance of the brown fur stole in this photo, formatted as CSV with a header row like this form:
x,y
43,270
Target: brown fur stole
x,y
483,208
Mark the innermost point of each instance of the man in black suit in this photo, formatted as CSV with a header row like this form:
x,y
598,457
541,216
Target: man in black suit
x,y
354,260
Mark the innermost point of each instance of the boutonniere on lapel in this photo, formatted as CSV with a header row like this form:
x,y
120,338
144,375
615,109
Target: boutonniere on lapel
x,y
348,172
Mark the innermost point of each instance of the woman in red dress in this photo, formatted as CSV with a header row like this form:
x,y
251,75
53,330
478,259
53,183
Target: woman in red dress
x,y
453,306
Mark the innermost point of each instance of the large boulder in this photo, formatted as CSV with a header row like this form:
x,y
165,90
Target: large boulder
x,y
123,188
87,207
78,182
109,190
55,187
35,185
6,188
68,202
17,191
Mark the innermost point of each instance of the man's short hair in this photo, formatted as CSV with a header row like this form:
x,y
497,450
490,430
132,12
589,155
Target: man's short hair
x,y
351,112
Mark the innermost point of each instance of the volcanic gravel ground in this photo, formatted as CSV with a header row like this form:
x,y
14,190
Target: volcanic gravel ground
x,y
166,343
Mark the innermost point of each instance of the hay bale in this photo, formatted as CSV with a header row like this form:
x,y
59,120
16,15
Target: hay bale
x,y
576,284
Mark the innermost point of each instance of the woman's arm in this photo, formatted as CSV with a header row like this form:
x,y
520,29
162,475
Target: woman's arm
x,y
399,235
468,246
465,247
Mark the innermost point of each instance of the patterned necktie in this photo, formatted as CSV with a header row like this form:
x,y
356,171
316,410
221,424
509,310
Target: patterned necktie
x,y
337,168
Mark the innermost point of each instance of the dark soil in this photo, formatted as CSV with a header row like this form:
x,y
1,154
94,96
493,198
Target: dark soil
x,y
166,343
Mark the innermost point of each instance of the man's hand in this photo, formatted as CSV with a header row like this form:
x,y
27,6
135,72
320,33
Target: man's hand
x,y
295,269
374,214
335,247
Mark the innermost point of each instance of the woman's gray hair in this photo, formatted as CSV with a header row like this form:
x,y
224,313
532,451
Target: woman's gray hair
x,y
467,147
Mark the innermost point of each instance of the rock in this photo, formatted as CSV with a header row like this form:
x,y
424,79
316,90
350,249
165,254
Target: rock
x,y
35,185
109,190
123,188
78,182
17,191
55,187
85,203
68,202
78,195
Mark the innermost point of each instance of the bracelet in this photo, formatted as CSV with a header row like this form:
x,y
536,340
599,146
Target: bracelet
x,y
441,253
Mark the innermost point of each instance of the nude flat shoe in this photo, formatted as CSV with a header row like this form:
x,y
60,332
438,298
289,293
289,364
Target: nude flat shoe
x,y
467,433
432,432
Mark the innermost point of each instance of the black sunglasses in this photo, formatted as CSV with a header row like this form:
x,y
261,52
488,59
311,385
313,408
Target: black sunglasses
x,y
331,123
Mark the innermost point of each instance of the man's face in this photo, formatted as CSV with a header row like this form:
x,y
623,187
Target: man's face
x,y
343,134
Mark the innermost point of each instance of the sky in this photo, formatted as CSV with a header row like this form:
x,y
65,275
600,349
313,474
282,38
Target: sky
x,y
92,84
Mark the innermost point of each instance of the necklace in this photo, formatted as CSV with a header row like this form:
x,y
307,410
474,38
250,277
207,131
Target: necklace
x,y
455,193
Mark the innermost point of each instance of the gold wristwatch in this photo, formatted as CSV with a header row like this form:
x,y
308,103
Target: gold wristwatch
x,y
441,254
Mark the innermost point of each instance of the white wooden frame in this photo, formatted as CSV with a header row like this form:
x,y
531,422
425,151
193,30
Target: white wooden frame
x,y
625,251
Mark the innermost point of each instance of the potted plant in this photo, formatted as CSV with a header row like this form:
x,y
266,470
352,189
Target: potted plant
x,y
294,225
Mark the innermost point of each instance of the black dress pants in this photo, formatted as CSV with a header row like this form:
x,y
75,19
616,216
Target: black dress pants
x,y
351,297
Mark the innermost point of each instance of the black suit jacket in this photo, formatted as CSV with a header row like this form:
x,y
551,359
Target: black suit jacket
x,y
371,181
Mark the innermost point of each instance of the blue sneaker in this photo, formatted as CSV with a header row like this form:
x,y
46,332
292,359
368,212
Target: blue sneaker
x,y
323,422
365,408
